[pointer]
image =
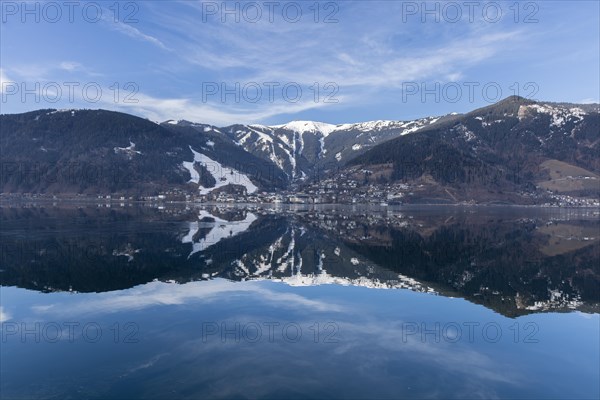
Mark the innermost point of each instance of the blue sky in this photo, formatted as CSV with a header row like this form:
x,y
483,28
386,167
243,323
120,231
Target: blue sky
x,y
353,60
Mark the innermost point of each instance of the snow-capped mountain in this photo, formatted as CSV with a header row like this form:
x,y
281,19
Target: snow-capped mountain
x,y
303,149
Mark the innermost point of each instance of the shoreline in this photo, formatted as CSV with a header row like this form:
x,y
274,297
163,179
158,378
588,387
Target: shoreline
x,y
163,203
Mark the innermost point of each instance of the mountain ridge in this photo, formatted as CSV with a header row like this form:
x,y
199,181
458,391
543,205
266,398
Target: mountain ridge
x,y
302,148
516,151
515,148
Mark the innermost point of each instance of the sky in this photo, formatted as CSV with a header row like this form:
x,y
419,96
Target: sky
x,y
271,62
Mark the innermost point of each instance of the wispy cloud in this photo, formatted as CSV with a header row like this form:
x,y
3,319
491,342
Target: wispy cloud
x,y
70,66
134,33
220,114
3,79
76,67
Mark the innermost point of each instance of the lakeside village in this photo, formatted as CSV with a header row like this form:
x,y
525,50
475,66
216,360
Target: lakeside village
x,y
327,191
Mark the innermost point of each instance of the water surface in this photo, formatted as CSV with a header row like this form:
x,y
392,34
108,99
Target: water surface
x,y
327,302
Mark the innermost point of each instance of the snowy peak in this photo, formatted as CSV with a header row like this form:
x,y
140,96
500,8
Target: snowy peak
x,y
369,126
307,126
382,125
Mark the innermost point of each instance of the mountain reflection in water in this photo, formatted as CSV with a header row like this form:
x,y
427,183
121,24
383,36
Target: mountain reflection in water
x,y
515,261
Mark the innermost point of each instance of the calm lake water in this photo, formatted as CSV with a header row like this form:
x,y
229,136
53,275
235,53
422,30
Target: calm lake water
x,y
299,302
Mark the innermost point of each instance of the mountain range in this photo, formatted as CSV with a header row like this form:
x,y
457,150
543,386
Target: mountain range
x,y
300,148
516,151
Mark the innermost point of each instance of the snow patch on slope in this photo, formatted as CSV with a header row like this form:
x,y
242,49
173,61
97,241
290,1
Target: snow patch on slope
x,y
559,114
322,149
130,150
223,175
